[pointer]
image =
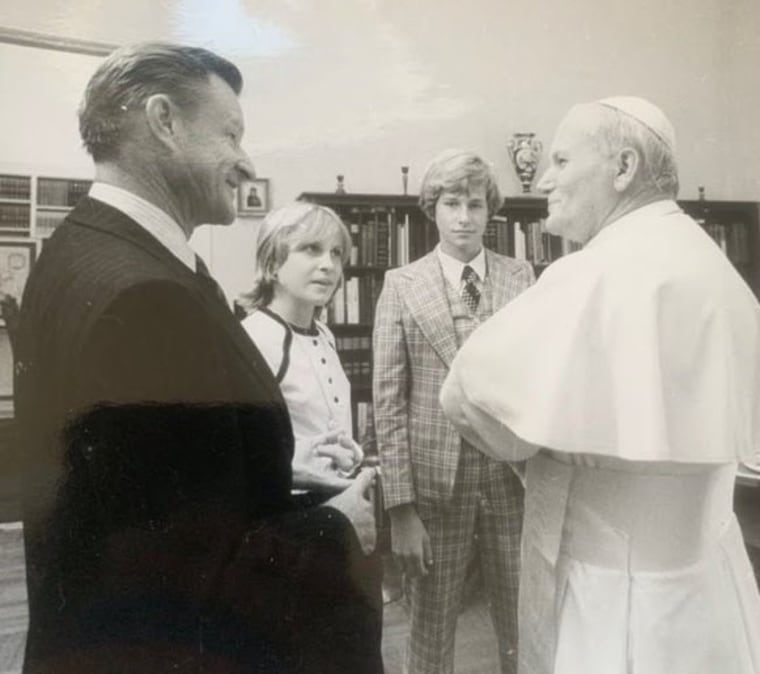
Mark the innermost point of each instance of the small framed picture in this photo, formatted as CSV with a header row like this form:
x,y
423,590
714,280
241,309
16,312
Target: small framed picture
x,y
253,197
16,260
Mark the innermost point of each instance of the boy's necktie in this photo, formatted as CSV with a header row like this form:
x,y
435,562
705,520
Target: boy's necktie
x,y
470,292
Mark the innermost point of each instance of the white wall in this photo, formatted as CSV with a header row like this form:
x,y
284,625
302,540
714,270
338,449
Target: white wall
x,y
362,87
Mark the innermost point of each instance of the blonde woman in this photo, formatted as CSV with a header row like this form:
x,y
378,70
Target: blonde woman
x,y
301,251
300,256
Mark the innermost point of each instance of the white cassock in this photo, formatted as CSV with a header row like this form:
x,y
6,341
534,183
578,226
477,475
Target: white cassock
x,y
629,375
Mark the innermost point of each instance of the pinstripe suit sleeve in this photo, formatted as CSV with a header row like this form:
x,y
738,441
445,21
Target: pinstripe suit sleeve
x,y
390,386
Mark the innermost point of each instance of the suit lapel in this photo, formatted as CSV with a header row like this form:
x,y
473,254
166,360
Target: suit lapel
x,y
113,222
498,280
104,218
219,312
428,305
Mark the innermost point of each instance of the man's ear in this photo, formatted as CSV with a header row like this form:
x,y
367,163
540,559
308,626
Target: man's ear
x,y
162,118
626,168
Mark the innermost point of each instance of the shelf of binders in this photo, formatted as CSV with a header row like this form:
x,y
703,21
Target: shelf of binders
x,y
15,205
55,198
60,193
35,206
14,219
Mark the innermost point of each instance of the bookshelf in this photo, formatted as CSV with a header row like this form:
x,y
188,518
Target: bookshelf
x,y
390,230
15,205
33,206
735,228
516,230
55,198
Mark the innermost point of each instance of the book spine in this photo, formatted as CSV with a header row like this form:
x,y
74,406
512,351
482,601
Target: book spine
x,y
352,300
520,244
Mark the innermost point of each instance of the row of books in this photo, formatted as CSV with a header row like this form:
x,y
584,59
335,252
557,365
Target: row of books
x,y
379,238
15,187
384,243
733,240
14,216
355,299
356,357
539,247
383,238
525,241
50,191
354,302
14,220
61,192
499,235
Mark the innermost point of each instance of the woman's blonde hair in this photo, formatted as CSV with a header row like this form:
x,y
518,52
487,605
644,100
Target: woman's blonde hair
x,y
278,231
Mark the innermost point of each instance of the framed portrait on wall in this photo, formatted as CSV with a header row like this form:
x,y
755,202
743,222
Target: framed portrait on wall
x,y
16,261
253,197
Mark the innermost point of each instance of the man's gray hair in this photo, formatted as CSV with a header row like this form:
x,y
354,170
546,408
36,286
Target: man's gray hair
x,y
133,73
657,169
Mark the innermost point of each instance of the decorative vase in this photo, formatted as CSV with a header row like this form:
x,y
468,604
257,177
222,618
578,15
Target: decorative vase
x,y
524,151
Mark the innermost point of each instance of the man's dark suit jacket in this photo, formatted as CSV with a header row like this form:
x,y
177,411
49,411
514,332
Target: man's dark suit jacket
x,y
160,530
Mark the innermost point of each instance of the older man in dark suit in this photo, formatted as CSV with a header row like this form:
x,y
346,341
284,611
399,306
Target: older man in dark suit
x,y
160,530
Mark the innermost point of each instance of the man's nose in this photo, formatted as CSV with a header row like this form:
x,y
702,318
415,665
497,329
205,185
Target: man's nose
x,y
245,167
546,182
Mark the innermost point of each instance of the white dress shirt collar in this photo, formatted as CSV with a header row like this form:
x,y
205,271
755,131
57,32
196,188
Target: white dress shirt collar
x,y
452,268
151,218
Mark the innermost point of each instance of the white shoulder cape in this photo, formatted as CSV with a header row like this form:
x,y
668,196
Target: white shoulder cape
x,y
645,345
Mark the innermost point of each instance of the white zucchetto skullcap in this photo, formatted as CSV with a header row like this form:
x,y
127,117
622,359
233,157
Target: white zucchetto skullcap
x,y
647,114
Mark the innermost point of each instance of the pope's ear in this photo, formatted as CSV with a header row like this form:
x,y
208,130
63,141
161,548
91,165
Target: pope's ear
x,y
161,115
626,166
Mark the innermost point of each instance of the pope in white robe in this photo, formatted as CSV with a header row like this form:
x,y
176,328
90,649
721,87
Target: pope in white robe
x,y
629,378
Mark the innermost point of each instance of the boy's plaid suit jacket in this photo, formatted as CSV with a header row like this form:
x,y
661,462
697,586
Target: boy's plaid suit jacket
x,y
414,342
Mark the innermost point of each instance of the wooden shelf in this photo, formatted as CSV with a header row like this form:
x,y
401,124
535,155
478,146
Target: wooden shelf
x,y
350,327
365,269
362,200
54,209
